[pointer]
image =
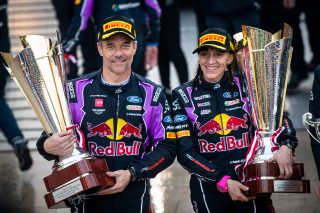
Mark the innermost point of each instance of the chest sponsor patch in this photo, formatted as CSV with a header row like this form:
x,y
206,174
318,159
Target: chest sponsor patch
x,y
233,102
179,118
114,149
134,107
134,99
98,102
225,144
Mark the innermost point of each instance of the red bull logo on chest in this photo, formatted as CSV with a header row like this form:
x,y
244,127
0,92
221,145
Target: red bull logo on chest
x,y
222,124
227,143
106,129
114,149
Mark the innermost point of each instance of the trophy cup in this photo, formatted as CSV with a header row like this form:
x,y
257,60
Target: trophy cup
x,y
39,72
310,122
264,60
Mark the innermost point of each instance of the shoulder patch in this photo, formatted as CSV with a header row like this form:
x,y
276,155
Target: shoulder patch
x,y
156,95
71,92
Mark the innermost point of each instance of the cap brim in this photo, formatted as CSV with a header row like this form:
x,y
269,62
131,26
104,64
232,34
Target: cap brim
x,y
209,45
106,36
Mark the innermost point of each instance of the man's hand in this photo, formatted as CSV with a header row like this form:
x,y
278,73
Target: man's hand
x,y
122,180
285,161
235,191
151,57
318,190
60,144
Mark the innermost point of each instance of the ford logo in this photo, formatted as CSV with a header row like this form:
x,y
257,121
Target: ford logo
x,y
134,99
167,119
179,118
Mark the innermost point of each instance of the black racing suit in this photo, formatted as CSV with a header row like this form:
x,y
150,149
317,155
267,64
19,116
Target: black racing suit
x,y
314,104
145,13
214,130
125,125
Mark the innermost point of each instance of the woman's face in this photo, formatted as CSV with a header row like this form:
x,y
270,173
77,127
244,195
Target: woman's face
x,y
213,63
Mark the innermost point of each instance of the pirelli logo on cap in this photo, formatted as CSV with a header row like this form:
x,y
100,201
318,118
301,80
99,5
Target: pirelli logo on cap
x,y
117,24
212,37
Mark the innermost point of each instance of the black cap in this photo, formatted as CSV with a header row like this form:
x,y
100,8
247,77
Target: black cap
x,y
116,24
217,38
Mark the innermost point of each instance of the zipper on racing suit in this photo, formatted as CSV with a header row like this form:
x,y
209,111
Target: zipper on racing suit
x,y
115,121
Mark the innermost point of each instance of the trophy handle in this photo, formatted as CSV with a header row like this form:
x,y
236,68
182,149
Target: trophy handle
x,y
307,120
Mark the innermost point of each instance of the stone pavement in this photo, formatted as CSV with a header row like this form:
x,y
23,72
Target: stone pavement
x,y
24,191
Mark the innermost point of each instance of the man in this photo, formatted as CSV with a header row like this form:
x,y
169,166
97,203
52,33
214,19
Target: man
x,y
138,139
314,104
146,15
8,124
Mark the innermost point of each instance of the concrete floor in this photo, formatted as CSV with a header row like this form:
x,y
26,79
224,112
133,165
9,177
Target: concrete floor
x,y
24,191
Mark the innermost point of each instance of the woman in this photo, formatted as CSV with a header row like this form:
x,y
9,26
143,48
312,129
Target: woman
x,y
214,129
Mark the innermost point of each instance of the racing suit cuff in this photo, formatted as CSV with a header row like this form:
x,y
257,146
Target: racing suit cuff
x,y
42,151
222,184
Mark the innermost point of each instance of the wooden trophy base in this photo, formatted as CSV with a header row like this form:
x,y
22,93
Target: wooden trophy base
x,y
263,178
84,176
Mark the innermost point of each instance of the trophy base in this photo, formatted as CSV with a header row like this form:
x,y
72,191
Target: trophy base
x,y
257,187
263,178
84,176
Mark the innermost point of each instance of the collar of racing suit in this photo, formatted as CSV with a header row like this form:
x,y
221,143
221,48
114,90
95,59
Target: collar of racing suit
x,y
115,89
213,86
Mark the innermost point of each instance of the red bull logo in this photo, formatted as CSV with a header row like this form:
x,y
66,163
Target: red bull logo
x,y
211,126
222,124
234,123
102,130
106,129
115,149
128,129
225,143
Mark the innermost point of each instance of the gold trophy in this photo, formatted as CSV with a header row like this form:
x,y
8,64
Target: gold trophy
x,y
264,60
39,71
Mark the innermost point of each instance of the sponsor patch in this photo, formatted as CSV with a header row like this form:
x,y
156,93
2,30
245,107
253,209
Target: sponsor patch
x,y
134,107
175,105
204,104
133,114
171,135
212,37
71,90
205,111
233,102
184,96
183,133
156,95
98,111
167,119
199,98
134,99
179,118
98,102
117,24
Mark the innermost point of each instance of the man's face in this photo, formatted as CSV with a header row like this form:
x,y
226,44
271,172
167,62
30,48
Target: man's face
x,y
117,53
